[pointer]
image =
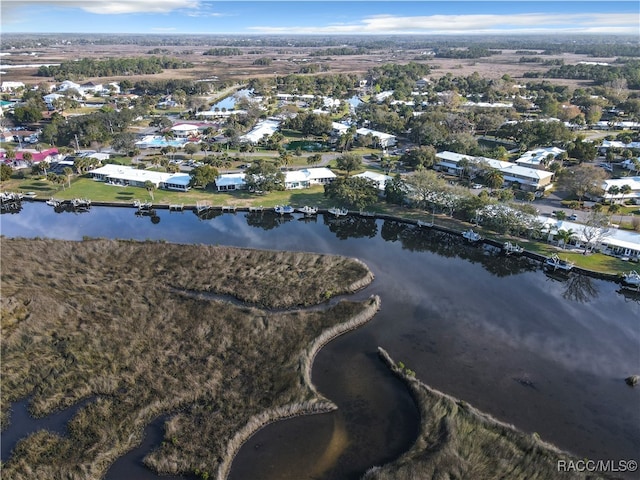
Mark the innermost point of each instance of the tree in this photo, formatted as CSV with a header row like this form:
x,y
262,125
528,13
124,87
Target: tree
x,y
358,192
494,178
150,186
5,172
625,190
314,159
565,236
264,176
423,185
595,229
421,157
395,190
68,171
349,162
27,157
203,176
613,190
123,142
584,180
190,149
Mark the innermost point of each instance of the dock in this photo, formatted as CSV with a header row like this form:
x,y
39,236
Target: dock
x,y
176,207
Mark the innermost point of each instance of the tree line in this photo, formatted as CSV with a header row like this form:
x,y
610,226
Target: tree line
x,y
88,67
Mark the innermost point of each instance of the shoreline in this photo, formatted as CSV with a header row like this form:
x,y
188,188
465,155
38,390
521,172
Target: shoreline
x,y
310,407
614,277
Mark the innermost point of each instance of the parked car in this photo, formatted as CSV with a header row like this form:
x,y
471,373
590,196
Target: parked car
x,y
573,216
477,186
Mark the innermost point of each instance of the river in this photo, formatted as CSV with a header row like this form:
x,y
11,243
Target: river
x,y
545,355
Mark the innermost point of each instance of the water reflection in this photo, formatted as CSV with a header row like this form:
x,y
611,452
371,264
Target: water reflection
x,y
267,220
352,226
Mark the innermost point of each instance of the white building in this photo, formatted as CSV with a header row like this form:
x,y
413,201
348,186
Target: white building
x,y
634,194
537,158
385,140
11,86
265,127
530,179
379,178
294,179
130,176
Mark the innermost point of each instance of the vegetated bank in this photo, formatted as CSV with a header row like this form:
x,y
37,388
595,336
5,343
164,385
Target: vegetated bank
x,y
118,321
458,441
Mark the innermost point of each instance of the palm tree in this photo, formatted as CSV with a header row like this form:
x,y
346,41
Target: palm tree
x,y
625,190
565,236
494,178
612,191
68,171
150,186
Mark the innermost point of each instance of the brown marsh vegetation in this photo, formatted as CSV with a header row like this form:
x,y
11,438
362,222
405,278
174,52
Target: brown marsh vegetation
x,y
117,321
457,441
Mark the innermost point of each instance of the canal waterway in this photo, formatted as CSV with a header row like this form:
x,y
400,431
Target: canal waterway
x,y
546,355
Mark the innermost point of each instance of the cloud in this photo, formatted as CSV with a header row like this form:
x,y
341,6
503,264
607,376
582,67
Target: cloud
x,y
109,7
473,24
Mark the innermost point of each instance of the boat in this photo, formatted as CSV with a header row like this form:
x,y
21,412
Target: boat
x,y
631,278
338,212
54,202
142,206
472,236
282,209
308,210
510,248
420,223
556,263
81,203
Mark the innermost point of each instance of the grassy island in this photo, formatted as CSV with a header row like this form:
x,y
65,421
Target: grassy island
x,y
457,441
220,339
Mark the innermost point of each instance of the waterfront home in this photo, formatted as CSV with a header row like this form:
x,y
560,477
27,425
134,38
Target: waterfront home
x,y
529,179
129,176
230,181
308,176
608,240
294,179
379,179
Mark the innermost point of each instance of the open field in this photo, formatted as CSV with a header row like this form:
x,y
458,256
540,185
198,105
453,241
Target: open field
x,y
239,68
146,329
458,441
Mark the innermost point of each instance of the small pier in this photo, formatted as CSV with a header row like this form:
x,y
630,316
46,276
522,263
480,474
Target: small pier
x,y
203,206
10,202
256,209
176,207
228,208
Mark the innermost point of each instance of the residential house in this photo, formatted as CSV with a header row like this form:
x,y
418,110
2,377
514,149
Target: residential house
x,y
632,182
308,176
265,127
529,179
379,179
130,176
11,86
384,140
538,158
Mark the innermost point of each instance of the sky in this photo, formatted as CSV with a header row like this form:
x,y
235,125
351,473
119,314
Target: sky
x,y
368,17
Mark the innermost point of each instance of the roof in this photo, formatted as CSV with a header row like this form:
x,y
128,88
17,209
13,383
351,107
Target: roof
x,y
534,157
184,127
507,168
380,135
379,178
122,172
266,127
308,174
228,179
614,237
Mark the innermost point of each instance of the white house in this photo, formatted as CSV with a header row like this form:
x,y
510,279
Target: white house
x,y
379,178
294,179
266,127
537,158
130,176
530,179
308,176
634,184
11,86
385,140
185,130
230,181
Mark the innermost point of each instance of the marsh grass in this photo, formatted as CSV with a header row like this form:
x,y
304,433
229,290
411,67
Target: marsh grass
x,y
107,319
456,441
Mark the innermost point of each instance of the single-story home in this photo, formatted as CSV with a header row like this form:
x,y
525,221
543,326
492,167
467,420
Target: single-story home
x,y
294,179
11,86
634,184
383,139
612,241
379,178
266,127
130,176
